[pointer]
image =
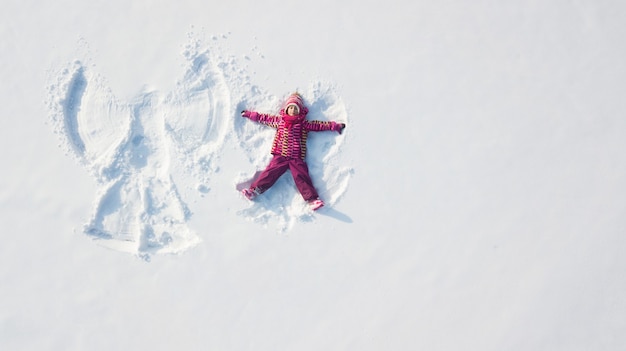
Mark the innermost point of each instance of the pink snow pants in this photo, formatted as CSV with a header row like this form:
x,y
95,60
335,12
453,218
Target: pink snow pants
x,y
277,167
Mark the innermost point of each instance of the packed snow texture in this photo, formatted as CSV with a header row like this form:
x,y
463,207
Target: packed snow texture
x,y
476,198
133,149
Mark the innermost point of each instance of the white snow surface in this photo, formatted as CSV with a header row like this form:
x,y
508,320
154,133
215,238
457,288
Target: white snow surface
x,y
475,201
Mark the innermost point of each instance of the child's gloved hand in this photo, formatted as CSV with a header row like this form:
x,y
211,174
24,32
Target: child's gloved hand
x,y
249,114
339,127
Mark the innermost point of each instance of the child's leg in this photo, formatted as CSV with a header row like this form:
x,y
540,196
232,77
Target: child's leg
x,y
277,167
300,173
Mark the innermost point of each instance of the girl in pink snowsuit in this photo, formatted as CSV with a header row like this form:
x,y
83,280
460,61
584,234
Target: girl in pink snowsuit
x,y
289,148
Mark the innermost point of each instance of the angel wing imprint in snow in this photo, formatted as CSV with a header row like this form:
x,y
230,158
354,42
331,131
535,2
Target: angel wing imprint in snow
x,y
198,115
129,149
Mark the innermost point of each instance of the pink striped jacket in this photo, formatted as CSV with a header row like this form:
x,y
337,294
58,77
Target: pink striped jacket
x,y
291,132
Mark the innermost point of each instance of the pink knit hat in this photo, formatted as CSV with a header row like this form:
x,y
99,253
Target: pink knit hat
x,y
296,99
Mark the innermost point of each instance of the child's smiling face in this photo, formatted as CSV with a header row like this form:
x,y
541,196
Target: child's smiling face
x,y
292,110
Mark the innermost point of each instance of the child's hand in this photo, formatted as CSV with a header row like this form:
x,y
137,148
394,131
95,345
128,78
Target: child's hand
x,y
250,114
338,127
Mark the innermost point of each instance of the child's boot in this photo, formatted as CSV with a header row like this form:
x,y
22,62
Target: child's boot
x,y
250,194
316,204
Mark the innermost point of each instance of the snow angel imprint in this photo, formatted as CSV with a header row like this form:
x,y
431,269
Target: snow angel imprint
x,y
289,149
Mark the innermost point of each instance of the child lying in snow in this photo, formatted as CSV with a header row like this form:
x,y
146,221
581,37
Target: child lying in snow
x,y
289,149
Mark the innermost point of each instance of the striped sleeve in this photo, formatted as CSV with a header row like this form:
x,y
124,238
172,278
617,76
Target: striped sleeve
x,y
268,120
318,126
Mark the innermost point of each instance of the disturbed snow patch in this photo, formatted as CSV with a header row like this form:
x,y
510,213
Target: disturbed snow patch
x,y
129,148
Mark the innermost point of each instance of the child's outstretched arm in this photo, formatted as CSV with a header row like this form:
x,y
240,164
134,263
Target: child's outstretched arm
x,y
262,118
320,126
